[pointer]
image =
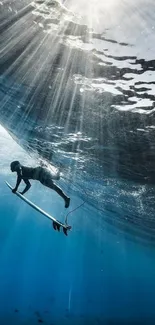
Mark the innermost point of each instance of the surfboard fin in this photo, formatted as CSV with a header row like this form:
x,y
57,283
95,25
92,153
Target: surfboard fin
x,y
58,227
65,231
54,225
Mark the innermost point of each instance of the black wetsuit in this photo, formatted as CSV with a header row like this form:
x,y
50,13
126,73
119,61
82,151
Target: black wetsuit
x,y
41,174
30,172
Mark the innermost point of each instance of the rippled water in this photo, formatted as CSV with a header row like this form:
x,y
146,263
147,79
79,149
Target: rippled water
x,y
79,86
77,82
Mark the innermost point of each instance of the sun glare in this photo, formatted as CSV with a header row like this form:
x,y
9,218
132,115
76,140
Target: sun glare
x,y
95,12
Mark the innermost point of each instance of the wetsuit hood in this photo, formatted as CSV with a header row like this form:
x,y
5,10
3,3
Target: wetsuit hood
x,y
14,165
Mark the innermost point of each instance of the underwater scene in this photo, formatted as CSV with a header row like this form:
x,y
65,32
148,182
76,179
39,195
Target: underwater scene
x,y
77,118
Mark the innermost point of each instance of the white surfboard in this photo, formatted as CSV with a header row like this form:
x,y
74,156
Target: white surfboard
x,y
56,224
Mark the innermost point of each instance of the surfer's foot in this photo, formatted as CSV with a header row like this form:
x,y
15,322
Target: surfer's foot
x,y
67,202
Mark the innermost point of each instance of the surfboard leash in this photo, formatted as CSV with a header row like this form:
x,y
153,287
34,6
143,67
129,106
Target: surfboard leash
x,y
79,206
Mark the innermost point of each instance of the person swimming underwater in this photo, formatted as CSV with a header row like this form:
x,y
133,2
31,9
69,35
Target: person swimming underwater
x,y
40,173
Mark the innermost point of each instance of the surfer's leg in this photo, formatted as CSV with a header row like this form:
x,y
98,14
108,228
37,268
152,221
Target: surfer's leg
x,y
49,183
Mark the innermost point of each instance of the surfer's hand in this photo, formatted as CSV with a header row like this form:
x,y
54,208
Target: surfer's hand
x,y
14,190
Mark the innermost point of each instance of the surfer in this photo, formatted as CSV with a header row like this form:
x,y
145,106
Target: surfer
x,y
40,173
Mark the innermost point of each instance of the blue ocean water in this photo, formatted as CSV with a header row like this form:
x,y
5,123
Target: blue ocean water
x,y
77,92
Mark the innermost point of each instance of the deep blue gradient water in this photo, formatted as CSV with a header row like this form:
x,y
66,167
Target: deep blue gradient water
x,y
77,92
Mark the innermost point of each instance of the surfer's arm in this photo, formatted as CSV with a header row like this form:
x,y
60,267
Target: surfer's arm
x,y
28,185
19,178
